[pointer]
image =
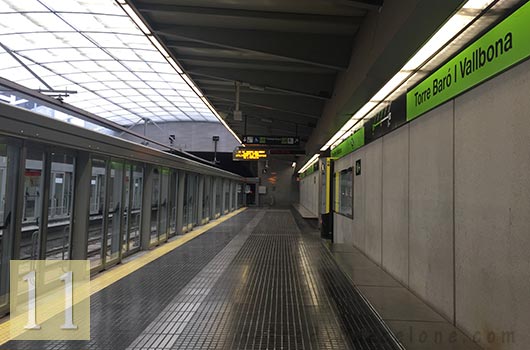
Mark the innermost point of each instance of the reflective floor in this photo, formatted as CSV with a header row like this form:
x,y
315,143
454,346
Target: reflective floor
x,y
256,281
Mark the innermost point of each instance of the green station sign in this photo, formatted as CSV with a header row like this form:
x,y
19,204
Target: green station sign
x,y
349,145
310,170
503,46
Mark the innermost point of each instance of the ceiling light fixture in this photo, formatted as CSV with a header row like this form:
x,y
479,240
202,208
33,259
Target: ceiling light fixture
x,y
135,18
309,163
143,27
445,34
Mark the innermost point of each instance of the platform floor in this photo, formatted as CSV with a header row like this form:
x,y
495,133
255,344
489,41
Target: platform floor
x,y
256,281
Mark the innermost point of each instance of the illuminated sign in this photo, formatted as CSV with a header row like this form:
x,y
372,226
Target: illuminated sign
x,y
502,47
271,140
249,154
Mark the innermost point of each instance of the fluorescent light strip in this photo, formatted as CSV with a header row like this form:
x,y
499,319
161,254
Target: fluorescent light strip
x,y
175,65
138,21
310,162
135,18
205,100
187,79
158,45
440,39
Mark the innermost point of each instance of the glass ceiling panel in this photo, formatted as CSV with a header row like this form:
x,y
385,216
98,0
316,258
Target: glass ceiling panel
x,y
93,48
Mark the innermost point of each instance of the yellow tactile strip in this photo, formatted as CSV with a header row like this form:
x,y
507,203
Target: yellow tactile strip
x,y
109,277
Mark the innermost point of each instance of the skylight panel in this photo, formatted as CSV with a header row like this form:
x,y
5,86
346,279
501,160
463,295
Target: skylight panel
x,y
138,84
130,92
138,66
123,53
88,66
94,54
60,67
91,6
162,67
105,39
87,22
111,65
149,76
187,93
21,6
96,86
109,93
116,85
95,48
151,56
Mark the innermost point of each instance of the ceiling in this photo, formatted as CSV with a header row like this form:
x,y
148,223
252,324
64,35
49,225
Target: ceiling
x,y
90,54
284,54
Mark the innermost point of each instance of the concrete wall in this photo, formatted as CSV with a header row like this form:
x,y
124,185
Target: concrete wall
x,y
443,204
189,136
309,190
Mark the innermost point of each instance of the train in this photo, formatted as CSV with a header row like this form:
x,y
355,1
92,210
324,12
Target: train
x,y
68,192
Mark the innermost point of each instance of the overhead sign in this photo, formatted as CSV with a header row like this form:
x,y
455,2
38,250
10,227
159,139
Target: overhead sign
x,y
271,140
349,145
248,154
286,151
500,48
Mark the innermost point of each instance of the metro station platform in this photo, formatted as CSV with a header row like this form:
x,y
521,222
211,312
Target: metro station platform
x,y
258,280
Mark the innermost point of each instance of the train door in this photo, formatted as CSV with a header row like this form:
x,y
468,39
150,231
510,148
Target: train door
x,y
164,205
173,194
96,230
192,202
8,183
114,216
155,210
185,204
132,206
226,194
30,241
60,204
206,198
218,197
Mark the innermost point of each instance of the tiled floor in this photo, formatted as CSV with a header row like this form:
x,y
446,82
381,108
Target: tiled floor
x,y
253,282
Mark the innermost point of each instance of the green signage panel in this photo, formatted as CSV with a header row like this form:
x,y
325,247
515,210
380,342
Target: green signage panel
x,y
310,170
349,145
501,47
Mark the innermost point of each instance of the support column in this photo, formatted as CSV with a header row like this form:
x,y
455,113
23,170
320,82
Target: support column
x,y
81,225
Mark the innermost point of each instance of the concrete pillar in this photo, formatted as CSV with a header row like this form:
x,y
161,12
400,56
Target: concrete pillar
x,y
145,233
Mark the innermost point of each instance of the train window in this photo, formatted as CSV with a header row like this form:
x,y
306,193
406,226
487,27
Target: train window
x,y
206,198
234,195
31,214
190,201
173,203
97,209
226,188
218,196
185,210
61,197
164,205
114,212
133,241
126,206
155,201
